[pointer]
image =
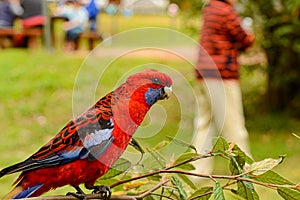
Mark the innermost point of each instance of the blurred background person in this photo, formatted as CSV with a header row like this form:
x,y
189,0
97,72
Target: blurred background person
x,y
8,11
32,19
93,8
32,16
77,21
219,95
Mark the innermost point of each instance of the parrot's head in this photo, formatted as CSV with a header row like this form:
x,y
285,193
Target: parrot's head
x,y
150,86
132,100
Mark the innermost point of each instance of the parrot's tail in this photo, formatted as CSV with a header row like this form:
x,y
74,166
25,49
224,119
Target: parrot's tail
x,y
2,173
10,170
13,193
21,166
20,193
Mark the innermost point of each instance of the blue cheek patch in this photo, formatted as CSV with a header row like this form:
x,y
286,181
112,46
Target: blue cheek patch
x,y
152,96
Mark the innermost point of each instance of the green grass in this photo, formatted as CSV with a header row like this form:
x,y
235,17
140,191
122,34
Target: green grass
x,y
118,23
36,102
30,91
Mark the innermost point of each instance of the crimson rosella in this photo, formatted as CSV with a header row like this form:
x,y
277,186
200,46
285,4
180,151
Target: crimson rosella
x,y
87,147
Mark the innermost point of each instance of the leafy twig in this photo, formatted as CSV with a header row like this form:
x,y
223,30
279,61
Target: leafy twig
x,y
233,177
210,192
190,160
148,192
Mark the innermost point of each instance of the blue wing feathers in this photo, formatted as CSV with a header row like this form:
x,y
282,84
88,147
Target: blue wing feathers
x,y
94,144
29,191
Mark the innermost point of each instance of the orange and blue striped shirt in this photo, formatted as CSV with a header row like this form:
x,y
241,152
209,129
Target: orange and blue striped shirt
x,y
222,38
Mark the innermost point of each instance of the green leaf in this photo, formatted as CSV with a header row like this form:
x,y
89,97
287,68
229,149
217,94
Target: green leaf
x,y
258,168
284,30
240,155
181,143
187,167
185,157
156,178
170,191
136,145
178,184
248,184
236,165
249,160
246,191
120,166
110,182
237,160
202,194
160,145
149,197
288,194
219,145
185,179
271,177
218,192
157,156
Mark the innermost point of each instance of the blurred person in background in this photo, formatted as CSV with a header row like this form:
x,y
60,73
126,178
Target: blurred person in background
x,y
93,8
8,11
217,70
32,16
77,20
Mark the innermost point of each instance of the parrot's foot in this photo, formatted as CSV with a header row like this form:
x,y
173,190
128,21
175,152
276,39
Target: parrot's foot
x,y
102,189
79,194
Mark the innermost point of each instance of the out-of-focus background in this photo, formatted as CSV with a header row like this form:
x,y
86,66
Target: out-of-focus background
x,y
37,80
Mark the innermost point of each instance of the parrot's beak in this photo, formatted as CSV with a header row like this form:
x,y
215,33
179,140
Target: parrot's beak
x,y
166,92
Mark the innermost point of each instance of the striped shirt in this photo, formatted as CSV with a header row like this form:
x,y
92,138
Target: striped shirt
x,y
222,38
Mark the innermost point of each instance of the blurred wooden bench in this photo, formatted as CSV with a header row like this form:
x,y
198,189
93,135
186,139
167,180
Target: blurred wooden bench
x,y
91,37
4,34
31,35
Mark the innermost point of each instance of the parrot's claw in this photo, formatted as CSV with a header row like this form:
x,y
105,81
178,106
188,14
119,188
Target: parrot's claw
x,y
77,195
102,189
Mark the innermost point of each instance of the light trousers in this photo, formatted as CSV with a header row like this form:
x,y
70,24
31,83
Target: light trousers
x,y
220,112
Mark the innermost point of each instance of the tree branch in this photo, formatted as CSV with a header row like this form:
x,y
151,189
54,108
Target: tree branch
x,y
235,177
100,196
88,196
148,192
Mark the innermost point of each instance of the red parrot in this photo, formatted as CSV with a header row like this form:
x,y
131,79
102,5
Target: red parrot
x,y
87,147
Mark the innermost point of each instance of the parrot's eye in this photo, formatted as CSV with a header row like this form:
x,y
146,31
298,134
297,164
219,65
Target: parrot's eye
x,y
156,81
